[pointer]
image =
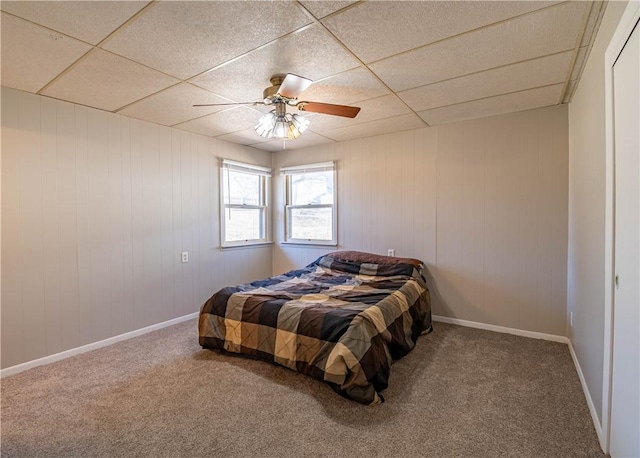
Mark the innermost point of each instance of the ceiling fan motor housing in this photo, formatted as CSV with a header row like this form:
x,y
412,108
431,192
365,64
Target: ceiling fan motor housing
x,y
269,93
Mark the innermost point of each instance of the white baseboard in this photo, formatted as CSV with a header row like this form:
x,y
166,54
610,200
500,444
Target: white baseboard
x,y
504,330
92,346
587,395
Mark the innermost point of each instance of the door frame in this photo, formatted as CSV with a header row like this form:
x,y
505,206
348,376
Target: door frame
x,y
622,33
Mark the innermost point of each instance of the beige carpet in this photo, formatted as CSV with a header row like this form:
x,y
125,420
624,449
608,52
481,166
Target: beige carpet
x,y
461,392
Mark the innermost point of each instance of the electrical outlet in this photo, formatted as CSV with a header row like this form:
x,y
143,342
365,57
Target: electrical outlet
x,y
185,256
571,319
391,252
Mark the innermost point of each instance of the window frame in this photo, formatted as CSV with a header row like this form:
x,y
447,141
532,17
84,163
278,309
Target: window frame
x,y
264,174
288,173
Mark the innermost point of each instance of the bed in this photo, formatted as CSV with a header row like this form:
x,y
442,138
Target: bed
x,y
342,319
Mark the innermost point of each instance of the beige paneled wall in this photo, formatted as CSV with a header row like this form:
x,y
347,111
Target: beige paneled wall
x,y
96,209
483,203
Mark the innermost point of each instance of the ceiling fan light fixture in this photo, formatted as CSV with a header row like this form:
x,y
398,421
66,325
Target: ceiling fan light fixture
x,y
282,126
300,122
266,124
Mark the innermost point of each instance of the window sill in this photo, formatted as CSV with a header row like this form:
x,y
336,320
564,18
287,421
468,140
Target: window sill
x,y
244,245
310,243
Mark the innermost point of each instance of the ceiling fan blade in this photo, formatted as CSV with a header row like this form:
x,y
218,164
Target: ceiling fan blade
x,y
293,86
328,108
228,103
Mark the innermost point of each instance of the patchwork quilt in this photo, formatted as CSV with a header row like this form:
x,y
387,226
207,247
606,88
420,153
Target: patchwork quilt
x,y
342,319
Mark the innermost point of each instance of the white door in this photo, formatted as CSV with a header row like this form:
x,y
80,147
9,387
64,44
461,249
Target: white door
x,y
625,382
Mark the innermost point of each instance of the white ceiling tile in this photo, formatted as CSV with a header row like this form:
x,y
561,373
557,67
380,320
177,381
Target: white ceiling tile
x,y
104,80
303,141
311,53
511,78
32,55
378,108
345,88
90,21
175,105
223,122
375,30
517,101
547,31
187,38
269,146
577,66
322,8
244,137
322,122
379,127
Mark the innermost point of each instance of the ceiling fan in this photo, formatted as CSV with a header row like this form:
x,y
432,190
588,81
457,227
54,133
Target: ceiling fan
x,y
283,92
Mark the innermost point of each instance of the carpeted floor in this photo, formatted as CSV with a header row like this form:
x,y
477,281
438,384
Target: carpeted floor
x,y
461,392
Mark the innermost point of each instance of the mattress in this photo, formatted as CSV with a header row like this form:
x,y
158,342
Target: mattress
x,y
342,319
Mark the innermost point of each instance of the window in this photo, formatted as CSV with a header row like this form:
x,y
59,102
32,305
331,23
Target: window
x,y
244,195
310,211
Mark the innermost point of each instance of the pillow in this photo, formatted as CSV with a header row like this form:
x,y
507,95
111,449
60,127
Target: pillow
x,y
370,258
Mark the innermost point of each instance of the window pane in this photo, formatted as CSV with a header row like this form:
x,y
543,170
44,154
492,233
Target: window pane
x,y
311,223
241,188
243,224
312,188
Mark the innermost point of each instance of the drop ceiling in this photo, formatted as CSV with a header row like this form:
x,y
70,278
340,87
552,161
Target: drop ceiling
x,y
407,64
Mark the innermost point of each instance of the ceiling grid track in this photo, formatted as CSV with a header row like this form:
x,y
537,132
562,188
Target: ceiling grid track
x,y
99,45
362,64
576,50
447,61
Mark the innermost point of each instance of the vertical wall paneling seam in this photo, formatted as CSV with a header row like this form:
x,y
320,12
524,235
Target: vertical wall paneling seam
x,y
549,314
483,310
195,246
41,178
78,150
57,194
363,185
122,231
171,230
145,152
553,226
131,233
182,213
435,166
183,220
542,204
539,122
20,267
549,307
193,213
110,231
142,152
1,125
415,191
474,218
198,258
88,223
173,227
75,157
521,154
